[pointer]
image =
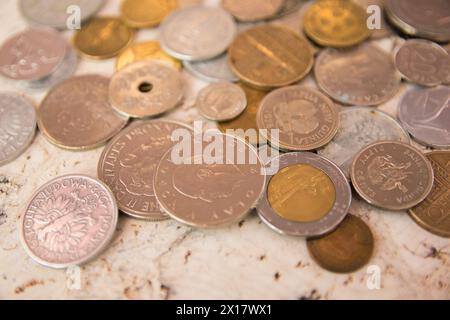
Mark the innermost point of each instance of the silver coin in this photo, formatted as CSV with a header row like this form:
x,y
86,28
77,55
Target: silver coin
x,y
17,126
213,70
221,101
312,228
56,13
197,33
359,127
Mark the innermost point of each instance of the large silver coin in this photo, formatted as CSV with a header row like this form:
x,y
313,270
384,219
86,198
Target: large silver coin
x,y
17,126
213,70
197,33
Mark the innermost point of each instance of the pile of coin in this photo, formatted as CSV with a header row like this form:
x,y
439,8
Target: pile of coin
x,y
330,136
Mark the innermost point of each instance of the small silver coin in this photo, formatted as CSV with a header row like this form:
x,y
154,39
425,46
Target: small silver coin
x,y
213,70
17,126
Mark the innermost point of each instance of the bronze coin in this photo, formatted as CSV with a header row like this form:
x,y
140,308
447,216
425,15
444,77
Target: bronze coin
x,y
433,214
346,249
392,175
76,113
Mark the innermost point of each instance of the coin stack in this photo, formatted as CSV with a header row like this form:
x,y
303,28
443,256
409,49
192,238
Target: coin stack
x,y
324,139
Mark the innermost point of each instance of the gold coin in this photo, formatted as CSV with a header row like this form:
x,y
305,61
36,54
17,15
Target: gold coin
x,y
146,13
346,249
102,38
336,23
270,56
150,50
301,193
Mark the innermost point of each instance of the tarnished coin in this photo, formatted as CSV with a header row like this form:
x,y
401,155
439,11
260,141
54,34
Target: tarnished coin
x,y
146,89
251,10
128,165
363,76
346,249
102,38
270,56
384,29
306,119
32,54
429,19
359,127
197,33
425,113
215,185
309,196
213,70
392,175
76,113
146,13
433,214
56,13
221,101
69,221
336,23
17,126
149,50
246,121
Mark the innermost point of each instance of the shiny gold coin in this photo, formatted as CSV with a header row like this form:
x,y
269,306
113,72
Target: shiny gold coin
x,y
150,50
102,38
336,23
301,193
270,56
347,249
146,13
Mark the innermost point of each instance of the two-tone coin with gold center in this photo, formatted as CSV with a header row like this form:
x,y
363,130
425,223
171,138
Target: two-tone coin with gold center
x,y
146,13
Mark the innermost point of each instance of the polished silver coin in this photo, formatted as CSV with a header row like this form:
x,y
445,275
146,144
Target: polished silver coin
x,y
213,70
17,126
359,127
197,33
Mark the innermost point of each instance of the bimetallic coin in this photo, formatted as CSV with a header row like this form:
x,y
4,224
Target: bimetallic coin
x,y
212,186
359,127
270,56
197,33
128,165
213,70
150,50
221,101
55,14
251,10
336,23
69,221
32,54
309,196
76,113
425,113
392,175
423,62
102,38
146,89
346,249
433,214
306,119
17,126
385,30
363,76
146,13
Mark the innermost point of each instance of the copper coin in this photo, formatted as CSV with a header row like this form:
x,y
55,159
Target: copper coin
x,y
392,175
425,113
433,214
423,62
363,76
76,114
251,10
146,89
306,119
270,56
32,54
203,191
69,221
346,249
128,165
309,196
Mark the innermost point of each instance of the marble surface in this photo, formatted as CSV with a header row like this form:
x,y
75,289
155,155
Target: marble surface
x,y
166,260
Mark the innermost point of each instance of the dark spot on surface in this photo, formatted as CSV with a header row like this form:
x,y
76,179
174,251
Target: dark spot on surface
x,y
262,257
3,216
313,295
145,87
434,253
348,280
27,285
4,180
136,232
28,157
241,223
178,227
186,256
276,276
166,291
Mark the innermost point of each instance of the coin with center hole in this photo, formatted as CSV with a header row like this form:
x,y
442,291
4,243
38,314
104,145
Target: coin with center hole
x,y
146,13
251,10
213,70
